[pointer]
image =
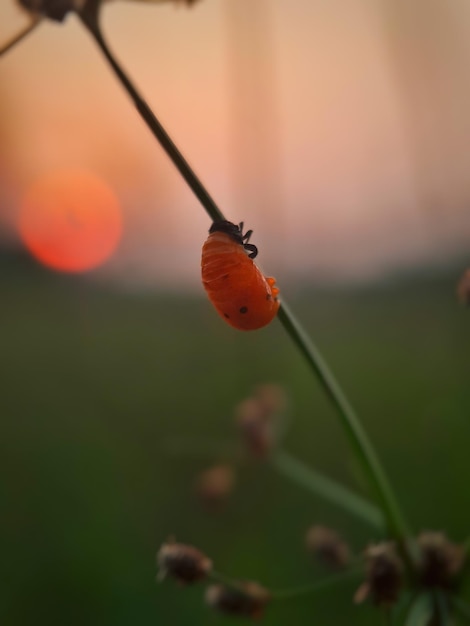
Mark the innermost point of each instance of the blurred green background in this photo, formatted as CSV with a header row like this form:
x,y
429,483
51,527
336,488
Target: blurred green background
x,y
97,386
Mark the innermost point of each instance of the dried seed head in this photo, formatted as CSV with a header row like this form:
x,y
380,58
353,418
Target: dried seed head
x,y
327,545
463,288
250,409
256,417
215,484
255,427
258,438
185,563
384,575
441,560
248,599
271,397
53,9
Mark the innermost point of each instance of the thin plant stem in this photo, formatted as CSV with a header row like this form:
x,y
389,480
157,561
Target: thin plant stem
x,y
8,45
328,489
290,467
351,424
293,592
353,428
154,125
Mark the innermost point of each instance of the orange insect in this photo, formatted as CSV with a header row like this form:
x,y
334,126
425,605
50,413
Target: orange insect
x,y
242,295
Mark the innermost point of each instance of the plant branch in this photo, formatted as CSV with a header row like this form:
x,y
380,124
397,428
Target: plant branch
x,y
288,466
20,36
351,424
154,125
328,489
353,428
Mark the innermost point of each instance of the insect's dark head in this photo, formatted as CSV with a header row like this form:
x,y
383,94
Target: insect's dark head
x,y
232,230
236,233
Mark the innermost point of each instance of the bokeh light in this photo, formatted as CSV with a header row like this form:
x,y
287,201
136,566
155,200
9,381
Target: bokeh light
x,y
70,221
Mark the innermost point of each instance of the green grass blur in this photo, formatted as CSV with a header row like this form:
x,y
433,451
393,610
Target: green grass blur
x,y
99,386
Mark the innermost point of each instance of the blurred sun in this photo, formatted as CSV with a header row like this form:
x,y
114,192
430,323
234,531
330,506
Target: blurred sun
x,y
70,220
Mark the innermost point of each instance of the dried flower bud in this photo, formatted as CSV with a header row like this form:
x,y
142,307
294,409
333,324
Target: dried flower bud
x,y
271,397
256,416
327,545
463,288
185,563
255,427
441,560
258,438
384,573
53,9
248,599
249,409
215,484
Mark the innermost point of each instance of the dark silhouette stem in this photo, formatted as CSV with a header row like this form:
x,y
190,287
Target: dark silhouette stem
x,y
352,426
154,125
20,36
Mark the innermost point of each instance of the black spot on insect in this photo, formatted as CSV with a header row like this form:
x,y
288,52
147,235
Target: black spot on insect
x,y
269,296
227,315
225,276
244,309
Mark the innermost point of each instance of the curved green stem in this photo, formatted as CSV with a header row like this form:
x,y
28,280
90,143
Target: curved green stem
x,y
328,489
351,424
290,467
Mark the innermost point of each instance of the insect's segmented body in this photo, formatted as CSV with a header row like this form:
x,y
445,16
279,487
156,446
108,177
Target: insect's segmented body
x,y
242,295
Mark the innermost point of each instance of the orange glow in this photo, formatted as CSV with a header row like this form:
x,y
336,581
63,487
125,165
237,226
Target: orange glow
x,y
70,221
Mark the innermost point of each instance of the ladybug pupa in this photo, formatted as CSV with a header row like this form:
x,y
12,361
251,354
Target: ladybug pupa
x,y
237,288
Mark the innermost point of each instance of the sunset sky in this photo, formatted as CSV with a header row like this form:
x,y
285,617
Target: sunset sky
x,y
338,131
